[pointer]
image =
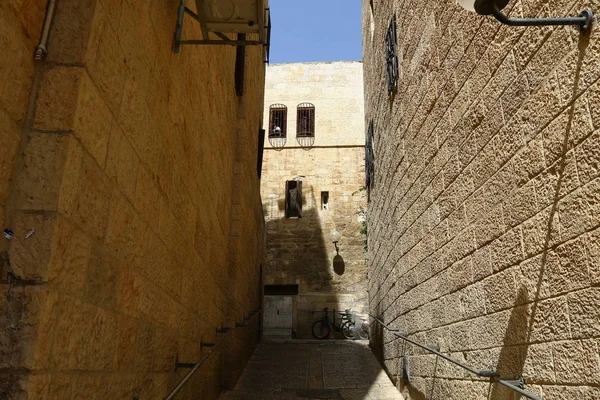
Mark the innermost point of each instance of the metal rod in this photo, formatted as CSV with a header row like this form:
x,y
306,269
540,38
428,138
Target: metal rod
x,y
181,384
230,43
192,14
482,373
203,26
179,27
268,42
40,50
222,36
584,20
518,390
191,373
494,375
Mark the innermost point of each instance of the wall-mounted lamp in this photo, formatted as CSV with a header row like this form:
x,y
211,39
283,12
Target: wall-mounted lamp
x,y
494,7
335,237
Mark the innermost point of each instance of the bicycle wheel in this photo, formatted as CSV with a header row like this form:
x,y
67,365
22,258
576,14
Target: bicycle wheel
x,y
321,329
348,330
363,332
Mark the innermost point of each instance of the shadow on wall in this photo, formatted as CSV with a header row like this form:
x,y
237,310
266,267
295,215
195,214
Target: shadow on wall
x,y
526,312
298,253
515,346
510,364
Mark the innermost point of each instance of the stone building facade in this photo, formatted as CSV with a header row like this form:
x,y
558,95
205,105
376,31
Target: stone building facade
x,y
331,171
128,177
483,218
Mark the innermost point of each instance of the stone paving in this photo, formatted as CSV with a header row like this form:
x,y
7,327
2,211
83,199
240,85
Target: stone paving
x,y
294,369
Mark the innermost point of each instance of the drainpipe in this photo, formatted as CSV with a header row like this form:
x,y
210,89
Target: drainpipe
x,y
40,50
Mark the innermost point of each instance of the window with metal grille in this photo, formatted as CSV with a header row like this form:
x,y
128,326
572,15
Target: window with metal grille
x,y
277,120
369,159
391,56
293,199
305,122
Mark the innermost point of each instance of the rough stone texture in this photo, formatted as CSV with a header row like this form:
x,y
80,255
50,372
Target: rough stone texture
x,y
483,219
299,250
137,169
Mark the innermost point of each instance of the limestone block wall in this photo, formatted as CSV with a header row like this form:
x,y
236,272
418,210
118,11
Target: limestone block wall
x,y
299,250
483,219
20,26
335,89
137,169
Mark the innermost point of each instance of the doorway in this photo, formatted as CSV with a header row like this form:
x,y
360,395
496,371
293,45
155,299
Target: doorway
x,y
278,320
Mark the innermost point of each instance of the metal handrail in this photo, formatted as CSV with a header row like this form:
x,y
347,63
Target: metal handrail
x,y
189,375
485,373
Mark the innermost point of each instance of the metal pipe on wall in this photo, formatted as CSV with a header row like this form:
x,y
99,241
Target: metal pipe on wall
x,y
40,50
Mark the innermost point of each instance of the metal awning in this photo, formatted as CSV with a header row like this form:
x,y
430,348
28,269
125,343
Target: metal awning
x,y
249,19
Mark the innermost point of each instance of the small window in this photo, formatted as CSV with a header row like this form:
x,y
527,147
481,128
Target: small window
x,y
391,55
305,122
324,200
293,199
369,159
277,121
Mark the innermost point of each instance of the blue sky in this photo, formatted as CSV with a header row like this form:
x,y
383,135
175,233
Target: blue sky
x,y
315,30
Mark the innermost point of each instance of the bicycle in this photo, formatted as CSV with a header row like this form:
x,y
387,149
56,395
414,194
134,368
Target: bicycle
x,y
352,331
321,329
363,331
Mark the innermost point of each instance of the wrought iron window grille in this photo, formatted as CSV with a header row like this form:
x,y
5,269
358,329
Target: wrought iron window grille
x,y
277,125
305,124
391,56
369,159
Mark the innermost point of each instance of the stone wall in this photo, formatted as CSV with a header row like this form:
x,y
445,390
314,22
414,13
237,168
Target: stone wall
x,y
137,169
299,251
483,220
335,89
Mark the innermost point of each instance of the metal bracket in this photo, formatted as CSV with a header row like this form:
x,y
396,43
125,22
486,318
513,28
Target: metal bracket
x,y
185,365
519,382
584,20
182,364
488,373
205,344
405,368
222,37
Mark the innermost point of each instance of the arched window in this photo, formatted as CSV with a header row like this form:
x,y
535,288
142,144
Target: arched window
x,y
277,121
305,122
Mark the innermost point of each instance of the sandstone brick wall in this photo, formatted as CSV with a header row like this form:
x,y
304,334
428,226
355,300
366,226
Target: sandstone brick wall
x,y
335,89
20,26
299,251
483,220
137,170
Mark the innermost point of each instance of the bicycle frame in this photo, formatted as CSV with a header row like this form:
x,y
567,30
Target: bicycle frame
x,y
328,321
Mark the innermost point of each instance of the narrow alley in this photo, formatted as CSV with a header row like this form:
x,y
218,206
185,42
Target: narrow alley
x,y
309,369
